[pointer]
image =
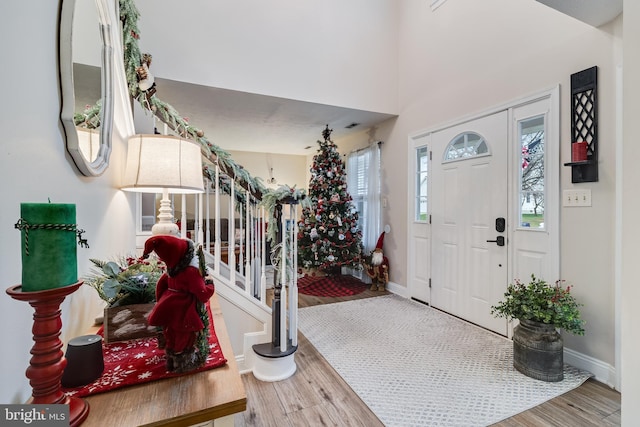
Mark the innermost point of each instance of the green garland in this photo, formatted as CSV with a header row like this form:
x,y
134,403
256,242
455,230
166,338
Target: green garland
x,y
283,194
90,117
133,58
202,340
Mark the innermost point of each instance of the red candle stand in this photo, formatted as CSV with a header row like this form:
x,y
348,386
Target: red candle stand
x,y
47,361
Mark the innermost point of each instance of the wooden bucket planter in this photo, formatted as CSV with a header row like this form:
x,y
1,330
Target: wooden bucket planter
x,y
538,351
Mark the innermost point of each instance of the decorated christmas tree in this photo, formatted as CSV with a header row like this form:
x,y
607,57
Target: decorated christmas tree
x,y
329,237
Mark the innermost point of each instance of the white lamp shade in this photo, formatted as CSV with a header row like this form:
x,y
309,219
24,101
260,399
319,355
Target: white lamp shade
x,y
163,162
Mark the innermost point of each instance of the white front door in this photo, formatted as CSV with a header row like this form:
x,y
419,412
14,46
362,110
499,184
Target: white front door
x,y
469,215
503,164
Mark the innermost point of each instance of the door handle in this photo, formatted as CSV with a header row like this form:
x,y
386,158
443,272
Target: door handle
x,y
499,241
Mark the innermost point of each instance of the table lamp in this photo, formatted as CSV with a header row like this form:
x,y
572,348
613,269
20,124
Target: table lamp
x,y
163,164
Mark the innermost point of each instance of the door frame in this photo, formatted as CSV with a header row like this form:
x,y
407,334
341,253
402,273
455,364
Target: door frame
x,y
552,178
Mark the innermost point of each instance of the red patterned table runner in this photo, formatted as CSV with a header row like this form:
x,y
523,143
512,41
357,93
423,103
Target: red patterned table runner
x,y
140,361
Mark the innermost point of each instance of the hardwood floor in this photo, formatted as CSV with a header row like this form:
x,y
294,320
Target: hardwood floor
x,y
317,396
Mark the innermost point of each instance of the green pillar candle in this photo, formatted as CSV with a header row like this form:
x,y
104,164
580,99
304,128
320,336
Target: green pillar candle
x,y
49,257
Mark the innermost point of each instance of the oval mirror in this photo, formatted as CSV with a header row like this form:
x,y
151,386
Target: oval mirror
x,y
86,70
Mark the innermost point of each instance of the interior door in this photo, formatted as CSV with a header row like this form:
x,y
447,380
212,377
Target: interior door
x,y
469,214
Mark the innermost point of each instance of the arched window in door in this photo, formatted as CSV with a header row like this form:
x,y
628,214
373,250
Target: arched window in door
x,y
464,146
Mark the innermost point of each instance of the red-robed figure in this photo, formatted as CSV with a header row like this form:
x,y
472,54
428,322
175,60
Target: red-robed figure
x,y
377,267
178,293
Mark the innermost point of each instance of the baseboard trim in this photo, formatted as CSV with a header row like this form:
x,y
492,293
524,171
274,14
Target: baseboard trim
x,y
398,289
602,371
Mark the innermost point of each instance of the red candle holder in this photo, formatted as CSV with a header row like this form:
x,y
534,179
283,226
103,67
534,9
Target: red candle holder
x,y
48,362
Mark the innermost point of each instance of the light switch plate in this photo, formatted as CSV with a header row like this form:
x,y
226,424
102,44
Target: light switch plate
x,y
576,198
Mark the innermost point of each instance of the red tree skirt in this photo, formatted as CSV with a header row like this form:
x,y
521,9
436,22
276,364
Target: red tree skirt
x,y
330,286
140,361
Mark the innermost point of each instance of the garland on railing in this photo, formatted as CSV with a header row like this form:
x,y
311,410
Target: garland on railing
x,y
272,198
90,117
284,195
137,70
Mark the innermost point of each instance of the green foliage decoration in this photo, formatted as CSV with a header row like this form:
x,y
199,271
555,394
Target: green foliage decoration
x,y
284,195
125,281
90,116
541,302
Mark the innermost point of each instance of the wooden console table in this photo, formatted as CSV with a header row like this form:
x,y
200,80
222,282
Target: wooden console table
x,y
181,401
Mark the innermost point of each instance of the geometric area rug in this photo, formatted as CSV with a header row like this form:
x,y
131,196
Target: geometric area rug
x,y
416,366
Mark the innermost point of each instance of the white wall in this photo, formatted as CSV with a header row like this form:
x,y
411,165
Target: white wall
x,y
329,52
34,167
468,56
629,207
288,169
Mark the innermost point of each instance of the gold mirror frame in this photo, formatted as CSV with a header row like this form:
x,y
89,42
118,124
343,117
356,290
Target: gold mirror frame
x,y
65,49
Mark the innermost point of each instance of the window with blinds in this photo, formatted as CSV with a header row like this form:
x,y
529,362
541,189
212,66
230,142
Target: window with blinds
x,y
357,180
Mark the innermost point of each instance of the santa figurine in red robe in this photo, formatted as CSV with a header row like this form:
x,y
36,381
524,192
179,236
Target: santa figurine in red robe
x,y
377,267
181,293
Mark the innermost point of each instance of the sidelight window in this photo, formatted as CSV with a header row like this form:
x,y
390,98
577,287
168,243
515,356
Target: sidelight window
x,y
422,163
532,172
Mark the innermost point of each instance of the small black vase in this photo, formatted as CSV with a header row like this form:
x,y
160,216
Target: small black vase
x,y
538,351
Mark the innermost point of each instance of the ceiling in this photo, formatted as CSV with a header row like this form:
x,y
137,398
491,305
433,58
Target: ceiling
x,y
240,121
249,122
